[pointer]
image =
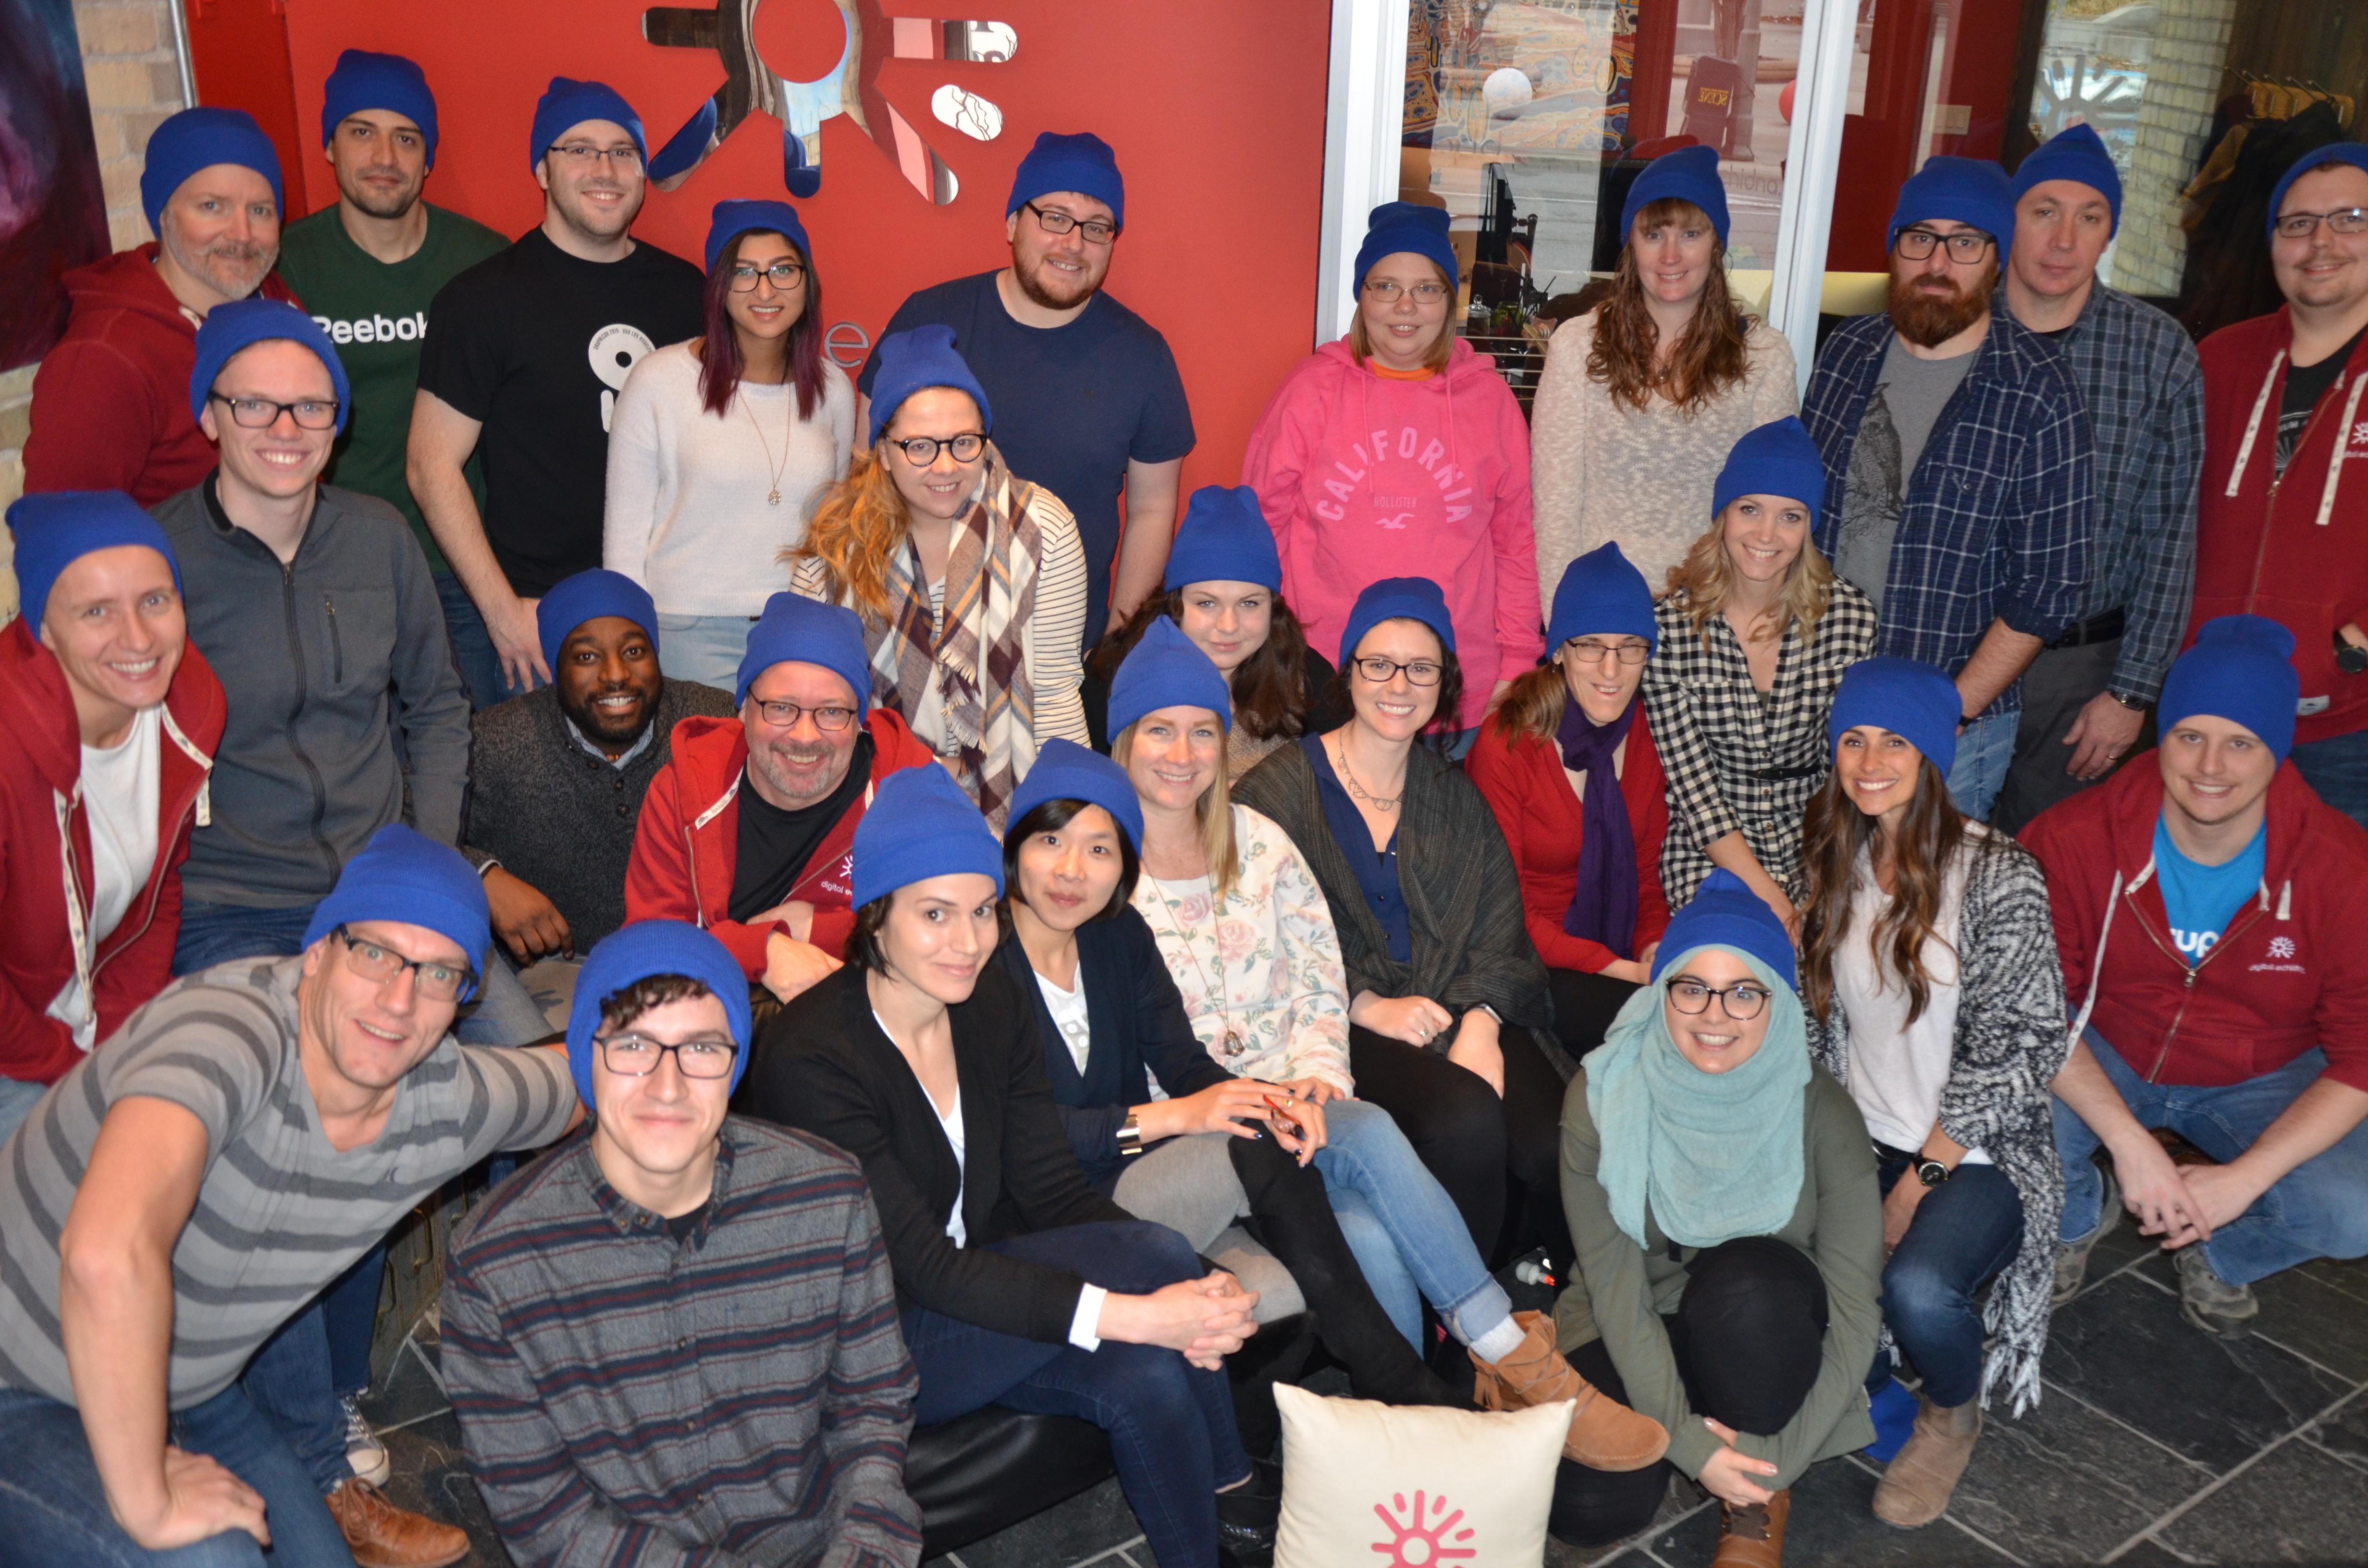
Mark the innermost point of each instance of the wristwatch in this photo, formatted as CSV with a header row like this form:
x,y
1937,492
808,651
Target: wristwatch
x,y
1130,1136
2134,704
2349,657
1931,1173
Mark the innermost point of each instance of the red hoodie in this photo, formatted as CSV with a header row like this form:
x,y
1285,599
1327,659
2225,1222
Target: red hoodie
x,y
111,401
45,831
687,845
2292,547
2289,973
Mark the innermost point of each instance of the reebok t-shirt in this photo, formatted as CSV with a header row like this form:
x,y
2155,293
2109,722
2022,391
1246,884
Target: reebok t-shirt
x,y
2201,899
534,344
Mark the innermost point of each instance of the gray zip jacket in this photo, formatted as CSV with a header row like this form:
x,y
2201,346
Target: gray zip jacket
x,y
322,661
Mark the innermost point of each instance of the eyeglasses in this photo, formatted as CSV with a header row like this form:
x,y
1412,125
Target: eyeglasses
x,y
1097,231
1422,672
583,154
785,715
1742,1002
786,276
922,451
2302,226
630,1056
1965,245
1385,290
439,981
262,413
1593,649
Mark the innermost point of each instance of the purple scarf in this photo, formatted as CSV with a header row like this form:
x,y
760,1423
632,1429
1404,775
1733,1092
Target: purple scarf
x,y
1604,908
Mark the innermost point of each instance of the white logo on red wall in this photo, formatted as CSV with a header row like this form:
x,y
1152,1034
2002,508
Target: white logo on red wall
x,y
614,350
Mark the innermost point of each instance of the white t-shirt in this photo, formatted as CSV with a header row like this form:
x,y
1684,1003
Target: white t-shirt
x,y
119,790
1069,1016
1897,1069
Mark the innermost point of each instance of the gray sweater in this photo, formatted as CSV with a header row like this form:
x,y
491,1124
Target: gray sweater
x,y
322,661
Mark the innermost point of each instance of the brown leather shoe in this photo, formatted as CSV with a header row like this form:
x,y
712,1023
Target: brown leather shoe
x,y
1922,1477
1753,1537
383,1536
1605,1434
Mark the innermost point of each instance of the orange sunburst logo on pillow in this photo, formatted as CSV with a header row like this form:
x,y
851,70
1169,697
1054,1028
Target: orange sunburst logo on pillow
x,y
1418,1539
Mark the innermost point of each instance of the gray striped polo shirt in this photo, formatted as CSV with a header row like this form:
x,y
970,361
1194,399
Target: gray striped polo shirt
x,y
279,1213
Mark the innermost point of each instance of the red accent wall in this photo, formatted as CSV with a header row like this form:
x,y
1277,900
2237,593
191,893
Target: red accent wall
x,y
239,49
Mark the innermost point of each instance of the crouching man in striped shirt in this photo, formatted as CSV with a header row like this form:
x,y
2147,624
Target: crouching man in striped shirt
x,y
673,1340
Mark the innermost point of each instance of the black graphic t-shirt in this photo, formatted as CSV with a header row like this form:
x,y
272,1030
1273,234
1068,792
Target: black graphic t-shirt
x,y
2305,384
534,344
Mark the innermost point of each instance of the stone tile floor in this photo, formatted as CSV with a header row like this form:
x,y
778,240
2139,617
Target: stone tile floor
x,y
2154,1445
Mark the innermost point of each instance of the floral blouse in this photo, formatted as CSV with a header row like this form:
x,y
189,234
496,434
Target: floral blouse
x,y
1266,965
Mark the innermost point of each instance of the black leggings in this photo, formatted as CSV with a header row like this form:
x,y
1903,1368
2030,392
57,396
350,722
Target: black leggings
x,y
1584,1007
1748,1338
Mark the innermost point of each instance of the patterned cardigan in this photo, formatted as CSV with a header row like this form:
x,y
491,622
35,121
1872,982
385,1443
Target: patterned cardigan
x,y
2010,1043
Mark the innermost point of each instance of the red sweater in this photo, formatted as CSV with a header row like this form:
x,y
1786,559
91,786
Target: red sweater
x,y
2289,973
687,845
1545,821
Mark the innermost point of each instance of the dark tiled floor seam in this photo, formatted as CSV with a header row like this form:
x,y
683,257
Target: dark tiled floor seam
x,y
2192,1499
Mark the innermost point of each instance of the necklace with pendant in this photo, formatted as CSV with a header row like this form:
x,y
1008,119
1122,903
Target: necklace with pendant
x,y
1357,790
773,496
1233,1045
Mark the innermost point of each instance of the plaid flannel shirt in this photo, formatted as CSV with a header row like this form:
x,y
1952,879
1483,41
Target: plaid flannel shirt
x,y
1995,524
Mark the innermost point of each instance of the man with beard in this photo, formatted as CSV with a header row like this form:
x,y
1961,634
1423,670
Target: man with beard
x,y
524,356
1959,464
558,775
749,832
1086,393
367,269
111,401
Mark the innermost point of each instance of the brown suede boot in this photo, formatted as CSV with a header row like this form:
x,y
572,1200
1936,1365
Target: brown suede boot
x,y
1917,1485
1605,1434
1753,1537
383,1536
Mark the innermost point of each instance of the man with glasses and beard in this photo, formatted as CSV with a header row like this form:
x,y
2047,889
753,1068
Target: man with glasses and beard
x,y
523,359
1960,480
1086,393
111,401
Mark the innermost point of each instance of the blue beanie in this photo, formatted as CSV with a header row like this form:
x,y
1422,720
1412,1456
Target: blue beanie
x,y
56,529
1063,770
807,632
2241,669
632,954
1392,599
1689,173
2352,152
919,826
588,596
243,324
1224,537
199,139
1396,226
408,877
732,218
363,80
1167,669
1726,913
1911,699
1781,458
568,103
914,361
2078,154
1959,190
1083,163
1601,592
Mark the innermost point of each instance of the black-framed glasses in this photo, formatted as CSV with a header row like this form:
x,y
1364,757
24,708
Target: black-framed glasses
x,y
1967,246
375,962
785,715
1097,231
633,1056
1743,1001
922,451
1422,672
1594,649
1389,291
786,276
2302,226
262,413
583,154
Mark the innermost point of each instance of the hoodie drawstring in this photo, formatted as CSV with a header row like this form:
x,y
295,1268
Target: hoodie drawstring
x,y
2342,440
2253,425
77,928
2097,961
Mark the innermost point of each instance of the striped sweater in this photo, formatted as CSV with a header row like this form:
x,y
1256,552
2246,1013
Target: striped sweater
x,y
739,1396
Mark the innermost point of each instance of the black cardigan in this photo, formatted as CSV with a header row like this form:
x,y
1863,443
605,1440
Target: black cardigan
x,y
1139,1029
822,1065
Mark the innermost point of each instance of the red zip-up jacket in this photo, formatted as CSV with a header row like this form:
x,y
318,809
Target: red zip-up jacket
x,y
45,839
687,845
2292,547
2289,973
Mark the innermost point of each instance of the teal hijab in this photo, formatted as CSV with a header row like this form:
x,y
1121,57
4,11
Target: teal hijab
x,y
1714,1155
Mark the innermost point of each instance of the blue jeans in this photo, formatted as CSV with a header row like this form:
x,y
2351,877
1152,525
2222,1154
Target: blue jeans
x,y
18,1100
53,1510
1406,1230
2337,771
473,645
2319,1209
1170,1424
1966,1231
704,648
1985,753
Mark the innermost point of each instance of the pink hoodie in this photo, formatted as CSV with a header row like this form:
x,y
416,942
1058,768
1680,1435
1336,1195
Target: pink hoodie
x,y
1364,478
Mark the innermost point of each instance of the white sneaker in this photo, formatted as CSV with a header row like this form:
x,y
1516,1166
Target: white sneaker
x,y
366,1455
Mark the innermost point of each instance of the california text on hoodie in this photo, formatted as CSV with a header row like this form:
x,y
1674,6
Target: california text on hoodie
x,y
687,846
2289,973
111,401
1362,477
323,659
2294,547
45,848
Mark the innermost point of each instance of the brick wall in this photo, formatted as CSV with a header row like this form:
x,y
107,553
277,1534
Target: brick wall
x,y
2183,77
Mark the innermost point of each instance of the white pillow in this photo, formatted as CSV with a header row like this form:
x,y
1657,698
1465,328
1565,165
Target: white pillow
x,y
1355,1474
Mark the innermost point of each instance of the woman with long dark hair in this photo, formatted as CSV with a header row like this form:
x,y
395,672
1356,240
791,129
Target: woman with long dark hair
x,y
719,447
1935,993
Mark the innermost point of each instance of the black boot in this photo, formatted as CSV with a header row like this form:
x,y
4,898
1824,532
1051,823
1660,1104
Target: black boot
x,y
1295,1221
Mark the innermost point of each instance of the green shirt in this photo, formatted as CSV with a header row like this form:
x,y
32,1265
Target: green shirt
x,y
377,315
